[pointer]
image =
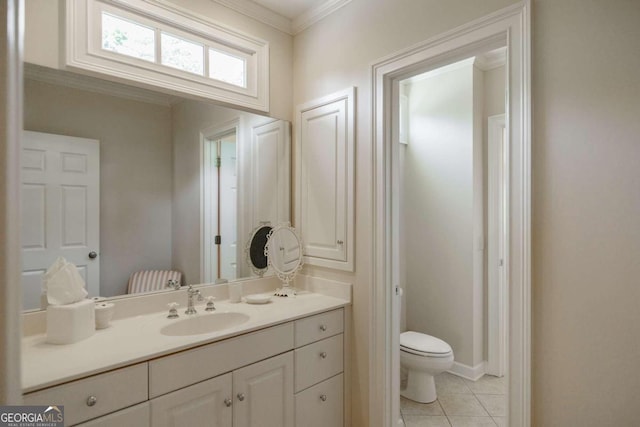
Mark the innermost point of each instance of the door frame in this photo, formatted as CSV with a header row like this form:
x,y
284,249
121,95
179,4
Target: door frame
x,y
510,26
206,135
497,256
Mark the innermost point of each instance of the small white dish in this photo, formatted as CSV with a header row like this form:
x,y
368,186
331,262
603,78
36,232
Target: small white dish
x,y
257,299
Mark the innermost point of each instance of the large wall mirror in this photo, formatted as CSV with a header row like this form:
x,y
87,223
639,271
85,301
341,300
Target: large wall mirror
x,y
140,189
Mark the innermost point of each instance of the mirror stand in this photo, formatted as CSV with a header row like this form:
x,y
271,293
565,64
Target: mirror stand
x,y
284,255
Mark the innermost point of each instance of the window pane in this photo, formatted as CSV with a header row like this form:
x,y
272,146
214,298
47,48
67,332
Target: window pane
x,y
128,38
226,68
182,54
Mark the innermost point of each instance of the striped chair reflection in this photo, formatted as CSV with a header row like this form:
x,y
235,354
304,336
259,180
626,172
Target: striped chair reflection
x,y
152,280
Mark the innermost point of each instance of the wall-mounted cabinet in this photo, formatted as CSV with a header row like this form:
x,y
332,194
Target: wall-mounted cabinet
x,y
325,179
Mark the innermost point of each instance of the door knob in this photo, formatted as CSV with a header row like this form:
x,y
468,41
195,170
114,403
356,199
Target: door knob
x,y
93,254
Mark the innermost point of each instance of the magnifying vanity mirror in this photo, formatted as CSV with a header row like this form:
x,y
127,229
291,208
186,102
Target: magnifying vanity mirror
x,y
256,250
284,255
142,189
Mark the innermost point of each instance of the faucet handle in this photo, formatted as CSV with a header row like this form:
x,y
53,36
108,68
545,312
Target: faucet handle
x,y
210,306
173,310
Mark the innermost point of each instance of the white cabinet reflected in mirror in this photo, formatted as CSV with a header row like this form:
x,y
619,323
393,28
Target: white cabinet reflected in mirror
x,y
140,188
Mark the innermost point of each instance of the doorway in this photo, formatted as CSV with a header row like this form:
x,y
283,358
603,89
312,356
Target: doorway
x,y
220,206
508,27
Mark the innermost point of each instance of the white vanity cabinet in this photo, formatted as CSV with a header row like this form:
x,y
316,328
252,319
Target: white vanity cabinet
x,y
282,376
325,172
97,395
204,404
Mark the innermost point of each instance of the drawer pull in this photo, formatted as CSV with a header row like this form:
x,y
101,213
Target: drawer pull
x,y
323,397
228,402
240,397
92,400
323,355
323,328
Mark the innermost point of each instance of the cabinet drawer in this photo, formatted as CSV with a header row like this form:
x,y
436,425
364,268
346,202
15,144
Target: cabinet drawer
x,y
321,405
112,391
318,327
189,367
318,361
136,416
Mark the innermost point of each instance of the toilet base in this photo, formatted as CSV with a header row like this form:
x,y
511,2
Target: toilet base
x,y
421,387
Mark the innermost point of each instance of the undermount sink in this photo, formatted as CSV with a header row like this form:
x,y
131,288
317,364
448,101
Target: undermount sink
x,y
204,324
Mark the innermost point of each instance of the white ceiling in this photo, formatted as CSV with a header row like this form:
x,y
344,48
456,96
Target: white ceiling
x,y
290,8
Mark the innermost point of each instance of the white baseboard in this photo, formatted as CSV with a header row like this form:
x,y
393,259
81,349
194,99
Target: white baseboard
x,y
472,373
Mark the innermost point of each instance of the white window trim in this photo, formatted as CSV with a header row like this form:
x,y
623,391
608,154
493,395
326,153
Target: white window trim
x,y
83,50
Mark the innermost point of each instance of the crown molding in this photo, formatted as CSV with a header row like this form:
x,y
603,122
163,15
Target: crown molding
x,y
95,85
282,23
259,13
311,16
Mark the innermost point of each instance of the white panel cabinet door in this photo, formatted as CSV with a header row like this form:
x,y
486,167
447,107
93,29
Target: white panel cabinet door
x,y
270,173
60,190
325,172
208,403
264,393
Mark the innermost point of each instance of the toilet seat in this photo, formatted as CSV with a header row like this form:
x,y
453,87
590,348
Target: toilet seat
x,y
424,345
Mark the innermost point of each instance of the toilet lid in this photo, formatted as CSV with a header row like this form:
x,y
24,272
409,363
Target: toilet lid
x,y
423,343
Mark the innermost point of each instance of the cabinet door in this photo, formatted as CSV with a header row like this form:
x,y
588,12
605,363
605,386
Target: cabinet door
x,y
204,404
270,173
264,393
325,171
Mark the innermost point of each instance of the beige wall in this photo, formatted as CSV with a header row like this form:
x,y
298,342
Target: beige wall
x,y
336,53
135,172
586,213
438,210
43,37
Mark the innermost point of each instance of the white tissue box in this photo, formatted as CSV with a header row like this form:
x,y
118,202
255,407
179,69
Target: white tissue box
x,y
71,323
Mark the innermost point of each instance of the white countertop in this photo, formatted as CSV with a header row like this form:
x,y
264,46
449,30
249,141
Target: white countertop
x,y
137,339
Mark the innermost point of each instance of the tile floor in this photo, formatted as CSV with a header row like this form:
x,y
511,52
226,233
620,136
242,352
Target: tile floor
x,y
460,403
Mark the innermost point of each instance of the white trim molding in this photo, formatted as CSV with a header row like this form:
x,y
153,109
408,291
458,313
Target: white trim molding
x,y
510,27
11,50
282,23
473,373
311,16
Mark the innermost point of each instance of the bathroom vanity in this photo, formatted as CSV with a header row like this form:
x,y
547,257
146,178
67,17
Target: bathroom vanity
x,y
282,366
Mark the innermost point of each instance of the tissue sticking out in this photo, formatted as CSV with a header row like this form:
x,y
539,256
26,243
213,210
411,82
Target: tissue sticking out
x,y
63,283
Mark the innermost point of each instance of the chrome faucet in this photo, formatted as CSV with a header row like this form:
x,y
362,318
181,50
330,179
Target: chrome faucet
x,y
190,294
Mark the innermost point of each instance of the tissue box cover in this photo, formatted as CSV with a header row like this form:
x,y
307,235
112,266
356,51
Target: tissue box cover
x,y
70,323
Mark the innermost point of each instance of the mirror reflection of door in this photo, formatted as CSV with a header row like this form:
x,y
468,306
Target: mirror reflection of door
x,y
60,194
221,206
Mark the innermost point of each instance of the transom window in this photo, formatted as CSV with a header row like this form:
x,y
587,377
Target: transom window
x,y
163,45
127,37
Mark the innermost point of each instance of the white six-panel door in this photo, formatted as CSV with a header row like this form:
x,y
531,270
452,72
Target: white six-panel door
x,y
60,193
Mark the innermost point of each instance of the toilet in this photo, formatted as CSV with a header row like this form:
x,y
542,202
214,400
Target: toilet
x,y
423,356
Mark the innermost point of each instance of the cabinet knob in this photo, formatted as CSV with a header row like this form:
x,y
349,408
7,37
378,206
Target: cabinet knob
x,y
92,400
323,397
240,397
93,255
227,402
323,328
323,355
340,242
